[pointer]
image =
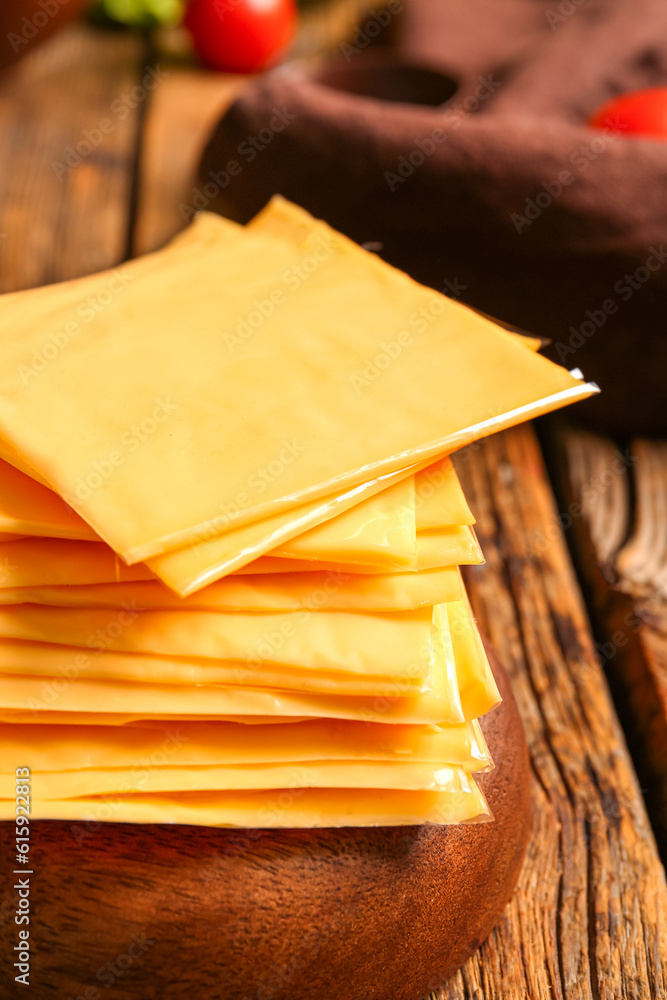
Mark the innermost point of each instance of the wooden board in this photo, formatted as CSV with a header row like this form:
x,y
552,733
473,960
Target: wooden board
x,y
620,536
589,919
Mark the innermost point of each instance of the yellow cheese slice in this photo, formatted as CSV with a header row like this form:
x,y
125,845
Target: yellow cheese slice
x,y
325,590
380,531
27,699
52,748
11,456
300,807
28,508
188,569
54,562
476,683
389,645
385,528
62,664
380,528
355,366
36,562
36,718
448,546
400,775
375,531
439,498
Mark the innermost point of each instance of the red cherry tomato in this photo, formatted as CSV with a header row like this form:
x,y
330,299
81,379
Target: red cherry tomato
x,y
241,36
642,112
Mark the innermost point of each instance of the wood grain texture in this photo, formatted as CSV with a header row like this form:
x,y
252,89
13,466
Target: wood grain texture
x,y
589,917
62,213
620,536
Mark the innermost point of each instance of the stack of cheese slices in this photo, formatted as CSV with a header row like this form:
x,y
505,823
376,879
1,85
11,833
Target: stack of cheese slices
x,y
229,570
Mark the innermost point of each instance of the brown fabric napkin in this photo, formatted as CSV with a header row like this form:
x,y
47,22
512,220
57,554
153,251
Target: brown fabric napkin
x,y
451,137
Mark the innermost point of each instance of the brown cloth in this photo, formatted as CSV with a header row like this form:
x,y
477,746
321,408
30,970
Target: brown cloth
x,y
459,148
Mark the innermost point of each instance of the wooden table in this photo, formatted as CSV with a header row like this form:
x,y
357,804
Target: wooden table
x,y
589,919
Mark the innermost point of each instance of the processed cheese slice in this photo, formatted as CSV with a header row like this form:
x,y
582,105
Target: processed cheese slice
x,y
448,546
400,775
36,562
62,664
383,526
300,807
381,531
445,381
35,717
56,562
23,696
395,644
188,569
452,546
476,683
325,590
28,508
50,748
439,498
12,457
27,698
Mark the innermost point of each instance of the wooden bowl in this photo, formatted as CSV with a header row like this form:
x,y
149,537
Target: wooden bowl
x,y
143,912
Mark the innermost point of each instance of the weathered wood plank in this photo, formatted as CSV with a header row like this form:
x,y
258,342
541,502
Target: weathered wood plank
x,y
622,548
588,919
68,136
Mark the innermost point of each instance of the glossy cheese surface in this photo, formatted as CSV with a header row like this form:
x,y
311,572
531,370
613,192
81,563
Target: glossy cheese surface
x,y
439,497
325,590
382,530
411,776
462,667
391,645
34,562
345,519
157,422
301,807
58,665
203,744
448,546
26,507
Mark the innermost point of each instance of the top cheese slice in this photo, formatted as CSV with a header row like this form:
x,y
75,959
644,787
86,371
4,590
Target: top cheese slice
x,y
246,376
